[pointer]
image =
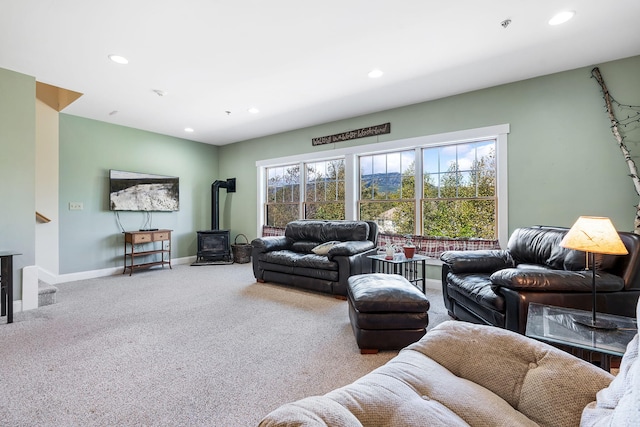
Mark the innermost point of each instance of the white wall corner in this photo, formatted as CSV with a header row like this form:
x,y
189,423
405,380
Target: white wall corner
x,y
29,287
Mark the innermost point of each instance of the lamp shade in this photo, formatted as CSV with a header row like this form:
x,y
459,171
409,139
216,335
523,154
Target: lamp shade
x,y
594,234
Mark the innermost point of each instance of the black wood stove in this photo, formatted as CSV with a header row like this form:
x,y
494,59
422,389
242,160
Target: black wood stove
x,y
214,246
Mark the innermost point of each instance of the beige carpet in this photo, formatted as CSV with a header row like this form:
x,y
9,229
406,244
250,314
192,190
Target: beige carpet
x,y
191,346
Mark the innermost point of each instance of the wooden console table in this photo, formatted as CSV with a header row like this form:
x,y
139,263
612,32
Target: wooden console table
x,y
6,284
133,238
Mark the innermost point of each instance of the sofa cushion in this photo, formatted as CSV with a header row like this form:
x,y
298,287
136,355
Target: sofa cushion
x,y
478,261
534,245
413,390
541,245
320,262
304,246
324,248
477,288
325,231
546,279
285,257
570,259
317,273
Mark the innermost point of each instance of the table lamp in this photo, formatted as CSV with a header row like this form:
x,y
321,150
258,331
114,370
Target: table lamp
x,y
594,235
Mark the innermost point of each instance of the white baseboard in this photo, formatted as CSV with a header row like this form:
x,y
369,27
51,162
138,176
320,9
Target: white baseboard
x,y
31,274
92,274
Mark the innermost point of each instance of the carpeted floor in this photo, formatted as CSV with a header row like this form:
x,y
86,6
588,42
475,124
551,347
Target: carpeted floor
x,y
191,346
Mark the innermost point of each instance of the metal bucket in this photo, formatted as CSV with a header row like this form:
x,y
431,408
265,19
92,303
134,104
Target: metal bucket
x,y
241,251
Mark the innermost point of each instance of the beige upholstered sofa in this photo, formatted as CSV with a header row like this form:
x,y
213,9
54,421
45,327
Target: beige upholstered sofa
x,y
461,374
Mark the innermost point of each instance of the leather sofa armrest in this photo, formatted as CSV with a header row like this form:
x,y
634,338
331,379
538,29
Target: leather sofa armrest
x,y
270,243
555,280
350,248
480,261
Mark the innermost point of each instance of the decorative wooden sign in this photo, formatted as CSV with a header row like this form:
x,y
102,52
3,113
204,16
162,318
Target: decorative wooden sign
x,y
353,134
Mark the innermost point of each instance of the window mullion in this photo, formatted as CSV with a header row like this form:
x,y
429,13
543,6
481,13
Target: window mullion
x,y
351,182
302,190
418,188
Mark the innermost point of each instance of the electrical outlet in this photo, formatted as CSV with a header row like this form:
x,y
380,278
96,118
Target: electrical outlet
x,y
75,206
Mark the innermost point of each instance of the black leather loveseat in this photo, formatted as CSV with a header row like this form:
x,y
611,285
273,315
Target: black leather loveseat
x,y
495,287
297,258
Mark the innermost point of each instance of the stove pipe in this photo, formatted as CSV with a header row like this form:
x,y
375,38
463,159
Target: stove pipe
x,y
230,185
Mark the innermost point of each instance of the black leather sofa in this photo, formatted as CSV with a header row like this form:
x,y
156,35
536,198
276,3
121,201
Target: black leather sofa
x,y
290,259
495,287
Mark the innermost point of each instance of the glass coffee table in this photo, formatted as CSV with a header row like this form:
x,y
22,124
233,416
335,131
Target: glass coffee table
x,y
556,325
412,269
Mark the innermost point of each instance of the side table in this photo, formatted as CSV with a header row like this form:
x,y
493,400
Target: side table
x,y
412,269
555,325
6,284
133,238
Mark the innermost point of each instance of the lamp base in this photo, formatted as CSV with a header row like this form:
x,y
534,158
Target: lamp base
x,y
598,324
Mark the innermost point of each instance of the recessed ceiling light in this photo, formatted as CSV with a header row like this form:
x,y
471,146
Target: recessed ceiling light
x,y
119,59
562,17
374,74
188,130
253,110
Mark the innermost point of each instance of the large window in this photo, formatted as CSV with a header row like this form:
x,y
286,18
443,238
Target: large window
x,y
387,191
450,185
459,190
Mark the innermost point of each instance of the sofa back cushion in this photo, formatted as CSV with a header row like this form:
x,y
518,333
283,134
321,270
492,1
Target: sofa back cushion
x,y
545,384
303,246
541,245
535,245
325,231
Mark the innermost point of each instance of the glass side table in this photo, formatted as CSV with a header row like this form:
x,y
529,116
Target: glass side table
x,y
412,269
555,325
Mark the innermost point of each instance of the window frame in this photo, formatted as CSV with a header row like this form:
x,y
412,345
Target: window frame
x,y
350,155
304,196
494,198
361,202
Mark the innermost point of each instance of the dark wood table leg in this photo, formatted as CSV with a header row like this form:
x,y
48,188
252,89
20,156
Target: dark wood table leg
x,y
6,275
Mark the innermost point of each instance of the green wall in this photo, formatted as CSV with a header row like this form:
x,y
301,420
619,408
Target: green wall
x,y
17,169
90,239
563,159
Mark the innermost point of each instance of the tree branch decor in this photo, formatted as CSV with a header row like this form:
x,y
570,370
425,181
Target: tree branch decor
x,y
620,129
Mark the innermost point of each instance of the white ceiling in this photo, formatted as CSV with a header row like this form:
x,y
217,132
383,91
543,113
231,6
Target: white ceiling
x,y
300,62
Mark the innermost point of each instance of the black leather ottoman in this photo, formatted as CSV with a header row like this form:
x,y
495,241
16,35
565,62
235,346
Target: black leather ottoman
x,y
386,311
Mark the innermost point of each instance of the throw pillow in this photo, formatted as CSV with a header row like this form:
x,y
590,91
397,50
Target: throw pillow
x,y
324,248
